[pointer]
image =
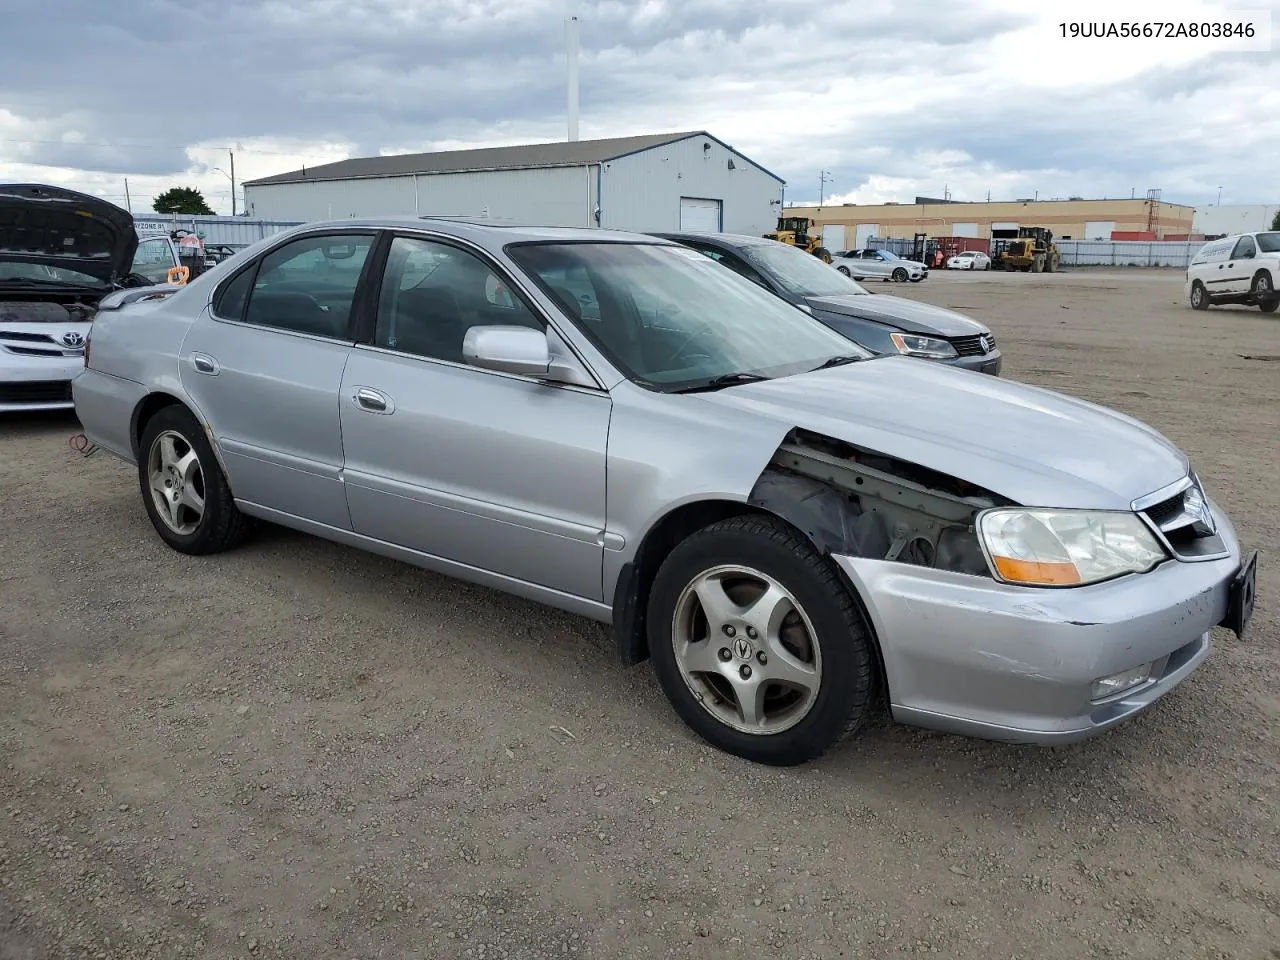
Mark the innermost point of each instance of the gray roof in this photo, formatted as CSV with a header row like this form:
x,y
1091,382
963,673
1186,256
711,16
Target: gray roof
x,y
575,153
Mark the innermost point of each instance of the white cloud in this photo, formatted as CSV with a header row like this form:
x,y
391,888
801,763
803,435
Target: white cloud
x,y
892,100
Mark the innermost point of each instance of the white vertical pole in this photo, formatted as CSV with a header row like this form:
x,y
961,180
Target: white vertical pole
x,y
571,36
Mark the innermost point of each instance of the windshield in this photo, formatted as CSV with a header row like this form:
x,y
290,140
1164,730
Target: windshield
x,y
1268,242
798,272
41,273
669,317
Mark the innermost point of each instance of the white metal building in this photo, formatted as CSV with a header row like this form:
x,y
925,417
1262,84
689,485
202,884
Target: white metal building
x,y
1235,218
669,181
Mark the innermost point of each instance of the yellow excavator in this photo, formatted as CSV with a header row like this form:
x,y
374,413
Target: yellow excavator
x,y
795,231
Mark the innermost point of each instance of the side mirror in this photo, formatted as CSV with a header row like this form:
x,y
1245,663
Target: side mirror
x,y
521,350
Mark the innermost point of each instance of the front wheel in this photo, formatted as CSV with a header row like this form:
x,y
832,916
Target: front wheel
x,y
844,270
758,644
900,275
183,488
1264,291
1199,296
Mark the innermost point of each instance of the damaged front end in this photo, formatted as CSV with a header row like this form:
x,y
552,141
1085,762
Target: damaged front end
x,y
860,503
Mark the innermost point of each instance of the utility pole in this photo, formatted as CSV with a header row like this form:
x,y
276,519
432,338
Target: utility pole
x,y
571,27
232,155
127,202
824,177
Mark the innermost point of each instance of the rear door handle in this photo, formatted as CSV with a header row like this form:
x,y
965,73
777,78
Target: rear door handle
x,y
204,364
369,399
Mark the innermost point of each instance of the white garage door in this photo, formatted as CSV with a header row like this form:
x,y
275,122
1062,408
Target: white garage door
x,y
833,236
964,229
864,234
699,216
1099,229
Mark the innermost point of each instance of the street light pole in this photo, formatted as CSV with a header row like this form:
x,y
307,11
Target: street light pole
x,y
232,155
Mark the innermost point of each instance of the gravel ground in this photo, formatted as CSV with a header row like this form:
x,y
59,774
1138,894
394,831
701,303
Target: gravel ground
x,y
301,750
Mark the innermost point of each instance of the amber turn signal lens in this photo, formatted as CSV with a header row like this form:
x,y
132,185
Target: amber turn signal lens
x,y
1032,572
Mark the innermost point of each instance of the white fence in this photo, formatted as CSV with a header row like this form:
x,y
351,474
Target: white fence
x,y
1128,253
217,231
1094,253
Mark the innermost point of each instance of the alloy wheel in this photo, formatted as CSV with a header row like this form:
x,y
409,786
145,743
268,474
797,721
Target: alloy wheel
x,y
176,482
746,649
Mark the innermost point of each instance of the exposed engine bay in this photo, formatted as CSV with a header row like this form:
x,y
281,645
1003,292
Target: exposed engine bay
x,y
50,308
857,502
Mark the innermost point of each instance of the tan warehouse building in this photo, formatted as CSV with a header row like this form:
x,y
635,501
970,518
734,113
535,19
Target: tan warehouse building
x,y
850,226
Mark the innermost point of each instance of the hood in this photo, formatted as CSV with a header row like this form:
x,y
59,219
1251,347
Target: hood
x,y
1033,446
54,227
909,315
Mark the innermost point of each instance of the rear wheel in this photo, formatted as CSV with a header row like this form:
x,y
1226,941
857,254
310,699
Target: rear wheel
x,y
823,254
844,270
183,488
1199,296
899,275
758,644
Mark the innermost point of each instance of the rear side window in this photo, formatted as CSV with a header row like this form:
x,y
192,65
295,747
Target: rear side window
x,y
309,285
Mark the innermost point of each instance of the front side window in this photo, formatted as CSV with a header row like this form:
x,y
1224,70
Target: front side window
x,y
706,323
308,285
433,293
1244,249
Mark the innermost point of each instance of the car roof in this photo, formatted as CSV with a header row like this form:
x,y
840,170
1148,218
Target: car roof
x,y
482,230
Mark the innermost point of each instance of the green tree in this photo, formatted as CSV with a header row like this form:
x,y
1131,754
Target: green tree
x,y
181,200
1275,221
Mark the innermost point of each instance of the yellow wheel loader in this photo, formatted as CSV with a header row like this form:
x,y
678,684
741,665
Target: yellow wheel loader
x,y
795,231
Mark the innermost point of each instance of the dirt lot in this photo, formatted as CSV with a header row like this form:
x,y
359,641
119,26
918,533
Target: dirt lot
x,y
298,750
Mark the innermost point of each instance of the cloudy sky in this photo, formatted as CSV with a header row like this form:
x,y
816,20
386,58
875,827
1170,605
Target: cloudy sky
x,y
890,98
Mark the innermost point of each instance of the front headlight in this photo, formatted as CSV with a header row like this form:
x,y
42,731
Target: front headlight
x,y
1061,548
912,345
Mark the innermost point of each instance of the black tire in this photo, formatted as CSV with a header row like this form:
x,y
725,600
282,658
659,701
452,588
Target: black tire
x,y
846,687
1262,289
1269,306
1199,296
844,270
899,275
823,254
221,526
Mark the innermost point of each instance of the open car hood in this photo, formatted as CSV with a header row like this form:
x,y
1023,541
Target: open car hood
x,y
909,315
55,227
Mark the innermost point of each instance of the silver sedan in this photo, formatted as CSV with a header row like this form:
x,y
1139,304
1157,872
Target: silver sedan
x,y
879,265
618,426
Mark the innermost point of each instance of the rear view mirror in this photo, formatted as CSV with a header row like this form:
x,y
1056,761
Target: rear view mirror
x,y
338,251
521,350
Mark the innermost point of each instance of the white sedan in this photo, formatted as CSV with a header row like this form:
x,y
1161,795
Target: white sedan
x,y
969,260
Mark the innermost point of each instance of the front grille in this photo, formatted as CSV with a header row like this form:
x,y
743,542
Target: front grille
x,y
1178,522
973,346
22,336
34,351
36,391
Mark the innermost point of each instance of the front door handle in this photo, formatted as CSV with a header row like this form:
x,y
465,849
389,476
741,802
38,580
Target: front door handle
x,y
204,364
371,400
